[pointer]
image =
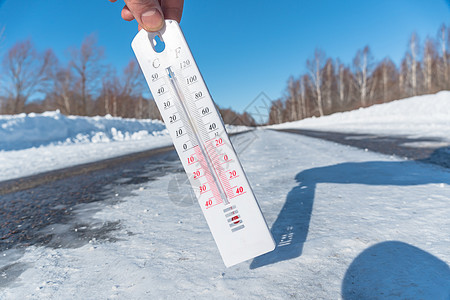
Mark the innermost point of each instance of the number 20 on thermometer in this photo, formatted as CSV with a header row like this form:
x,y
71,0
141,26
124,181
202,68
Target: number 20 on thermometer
x,y
200,139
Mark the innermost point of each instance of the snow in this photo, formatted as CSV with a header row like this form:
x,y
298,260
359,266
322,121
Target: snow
x,y
53,128
35,143
421,116
349,223
354,225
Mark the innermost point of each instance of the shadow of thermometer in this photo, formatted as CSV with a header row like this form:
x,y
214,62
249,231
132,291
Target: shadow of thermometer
x,y
202,143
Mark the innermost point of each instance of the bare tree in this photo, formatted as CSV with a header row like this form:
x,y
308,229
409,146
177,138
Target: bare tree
x,y
414,50
133,79
111,91
276,112
315,68
384,85
152,111
64,91
389,79
293,99
345,86
362,64
385,79
122,95
444,69
86,63
329,86
429,57
303,96
340,82
26,72
404,76
133,87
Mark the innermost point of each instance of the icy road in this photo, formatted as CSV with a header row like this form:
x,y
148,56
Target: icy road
x,y
348,223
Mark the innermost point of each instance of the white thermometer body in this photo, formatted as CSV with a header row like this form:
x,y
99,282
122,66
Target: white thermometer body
x,y
203,145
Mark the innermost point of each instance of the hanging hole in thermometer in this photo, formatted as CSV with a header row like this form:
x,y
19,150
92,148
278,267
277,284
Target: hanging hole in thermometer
x,y
158,43
203,145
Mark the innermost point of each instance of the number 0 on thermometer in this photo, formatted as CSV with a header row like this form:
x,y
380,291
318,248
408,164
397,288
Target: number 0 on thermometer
x,y
200,139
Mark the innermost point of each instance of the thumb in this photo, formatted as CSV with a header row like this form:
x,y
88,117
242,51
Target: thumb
x,y
147,13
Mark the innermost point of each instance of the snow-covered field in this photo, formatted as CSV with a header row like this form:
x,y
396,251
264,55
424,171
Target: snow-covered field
x,y
421,116
354,224
35,143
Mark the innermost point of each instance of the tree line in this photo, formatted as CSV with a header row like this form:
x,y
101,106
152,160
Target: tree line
x,y
331,86
85,85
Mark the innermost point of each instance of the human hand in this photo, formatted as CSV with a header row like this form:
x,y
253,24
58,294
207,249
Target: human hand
x,y
150,14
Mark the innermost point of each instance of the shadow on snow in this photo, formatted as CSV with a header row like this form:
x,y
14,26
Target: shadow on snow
x,y
396,270
291,226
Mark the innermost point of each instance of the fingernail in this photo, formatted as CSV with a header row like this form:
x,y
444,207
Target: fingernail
x,y
152,20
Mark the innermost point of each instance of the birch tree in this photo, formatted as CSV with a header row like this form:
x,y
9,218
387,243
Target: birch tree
x,y
444,68
414,49
303,97
293,98
362,64
276,112
389,79
315,68
429,56
329,85
340,82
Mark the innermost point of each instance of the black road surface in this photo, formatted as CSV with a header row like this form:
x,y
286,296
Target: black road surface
x,y
30,204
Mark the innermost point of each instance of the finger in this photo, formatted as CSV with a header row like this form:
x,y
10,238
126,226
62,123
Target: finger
x,y
126,14
173,9
147,13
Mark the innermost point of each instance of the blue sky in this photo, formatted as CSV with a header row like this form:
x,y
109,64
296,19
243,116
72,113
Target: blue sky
x,y
241,47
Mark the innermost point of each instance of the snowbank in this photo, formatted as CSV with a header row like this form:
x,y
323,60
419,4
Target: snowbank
x,y
53,128
427,115
36,143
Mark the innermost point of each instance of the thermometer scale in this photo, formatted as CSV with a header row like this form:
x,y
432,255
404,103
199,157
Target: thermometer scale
x,y
203,145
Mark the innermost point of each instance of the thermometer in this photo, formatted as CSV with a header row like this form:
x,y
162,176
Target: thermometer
x,y
202,143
